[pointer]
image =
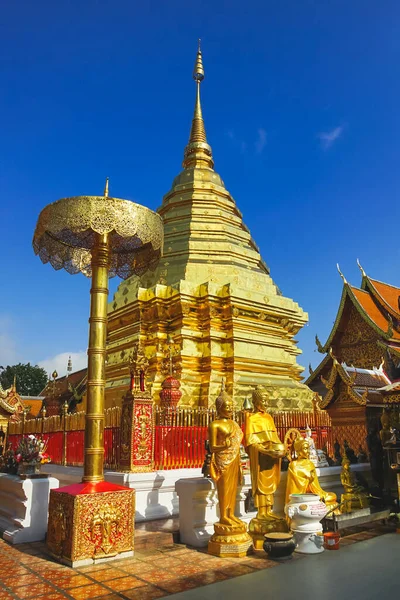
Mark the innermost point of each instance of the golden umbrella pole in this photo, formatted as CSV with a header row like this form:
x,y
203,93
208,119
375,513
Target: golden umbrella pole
x,y
96,380
100,237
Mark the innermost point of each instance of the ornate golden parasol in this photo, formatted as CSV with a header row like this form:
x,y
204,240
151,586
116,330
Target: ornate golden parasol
x,y
100,237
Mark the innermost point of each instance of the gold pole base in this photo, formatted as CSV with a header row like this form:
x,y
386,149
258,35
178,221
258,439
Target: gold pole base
x,y
259,527
91,522
230,542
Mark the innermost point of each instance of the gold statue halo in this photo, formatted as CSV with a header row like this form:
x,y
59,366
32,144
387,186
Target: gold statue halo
x,y
291,436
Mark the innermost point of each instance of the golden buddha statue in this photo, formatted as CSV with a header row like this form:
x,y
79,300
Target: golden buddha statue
x,y
302,476
265,451
355,496
225,436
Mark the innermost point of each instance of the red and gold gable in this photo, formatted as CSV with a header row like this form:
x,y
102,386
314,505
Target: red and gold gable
x,y
11,402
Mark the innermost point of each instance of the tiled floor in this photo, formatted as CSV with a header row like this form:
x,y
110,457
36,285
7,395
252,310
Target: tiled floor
x,y
154,572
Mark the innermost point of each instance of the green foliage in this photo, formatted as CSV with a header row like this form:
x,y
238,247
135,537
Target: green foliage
x,y
30,379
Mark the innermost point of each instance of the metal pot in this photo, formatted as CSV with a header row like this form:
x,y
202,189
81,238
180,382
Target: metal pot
x,y
279,546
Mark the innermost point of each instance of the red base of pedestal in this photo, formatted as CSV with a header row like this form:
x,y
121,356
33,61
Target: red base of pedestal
x,y
89,522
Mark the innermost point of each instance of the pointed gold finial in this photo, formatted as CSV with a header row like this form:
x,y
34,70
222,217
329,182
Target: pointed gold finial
x,y
340,273
361,269
198,152
198,71
106,188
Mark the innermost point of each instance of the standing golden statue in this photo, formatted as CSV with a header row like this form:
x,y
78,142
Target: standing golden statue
x,y
302,476
225,436
265,451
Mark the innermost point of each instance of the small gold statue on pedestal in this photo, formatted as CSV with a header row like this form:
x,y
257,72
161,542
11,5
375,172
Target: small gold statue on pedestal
x,y
302,476
355,496
230,538
265,451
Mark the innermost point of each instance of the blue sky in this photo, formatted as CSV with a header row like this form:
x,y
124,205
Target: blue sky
x,y
301,103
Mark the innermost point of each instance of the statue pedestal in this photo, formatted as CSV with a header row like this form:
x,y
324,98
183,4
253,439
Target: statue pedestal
x,y
91,523
24,507
230,541
198,509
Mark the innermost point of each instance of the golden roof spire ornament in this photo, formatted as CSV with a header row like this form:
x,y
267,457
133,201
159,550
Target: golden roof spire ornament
x,y
361,269
341,274
106,188
198,152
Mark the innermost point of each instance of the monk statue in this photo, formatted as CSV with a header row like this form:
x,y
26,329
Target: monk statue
x,y
265,451
302,476
225,436
355,496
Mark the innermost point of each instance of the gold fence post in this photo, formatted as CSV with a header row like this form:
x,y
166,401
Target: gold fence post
x,y
24,420
43,417
64,449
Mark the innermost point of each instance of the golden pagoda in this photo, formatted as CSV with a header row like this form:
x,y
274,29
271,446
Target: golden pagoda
x,y
211,299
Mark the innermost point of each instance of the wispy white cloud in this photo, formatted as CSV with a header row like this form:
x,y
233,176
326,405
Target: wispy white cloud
x,y
327,138
243,145
261,140
59,362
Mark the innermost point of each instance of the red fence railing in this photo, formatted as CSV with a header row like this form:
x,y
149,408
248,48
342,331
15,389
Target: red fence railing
x,y
179,435
179,447
75,443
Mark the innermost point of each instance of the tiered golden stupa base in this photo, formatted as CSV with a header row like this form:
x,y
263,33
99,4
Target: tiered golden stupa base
x,y
259,527
90,523
230,541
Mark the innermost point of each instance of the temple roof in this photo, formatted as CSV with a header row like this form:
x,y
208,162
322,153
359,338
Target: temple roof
x,y
387,295
364,386
34,403
376,303
67,388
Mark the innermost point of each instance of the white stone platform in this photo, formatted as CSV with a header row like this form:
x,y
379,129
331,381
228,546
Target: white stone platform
x,y
156,497
24,507
198,502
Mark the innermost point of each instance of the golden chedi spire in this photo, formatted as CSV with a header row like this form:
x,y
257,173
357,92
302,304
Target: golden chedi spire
x,y
198,151
213,293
